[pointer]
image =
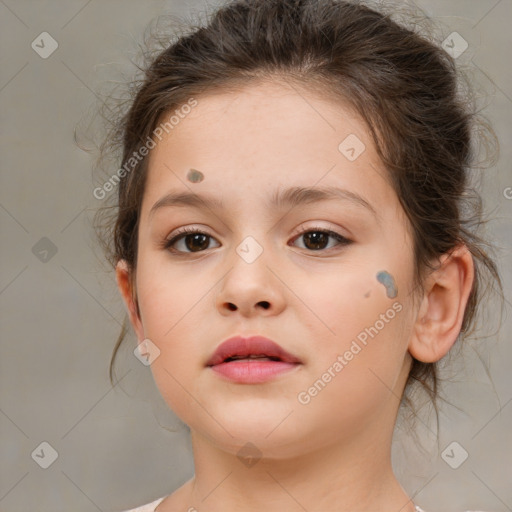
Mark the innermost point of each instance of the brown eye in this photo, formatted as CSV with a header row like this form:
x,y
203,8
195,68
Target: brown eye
x,y
188,241
318,239
196,242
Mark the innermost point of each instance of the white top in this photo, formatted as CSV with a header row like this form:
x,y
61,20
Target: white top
x,y
150,507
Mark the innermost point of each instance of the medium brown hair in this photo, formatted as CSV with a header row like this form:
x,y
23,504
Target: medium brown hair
x,y
403,86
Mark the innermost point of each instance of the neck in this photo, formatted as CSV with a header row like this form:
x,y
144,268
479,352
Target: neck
x,y
349,477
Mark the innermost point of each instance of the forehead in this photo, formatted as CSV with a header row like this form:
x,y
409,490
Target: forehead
x,y
263,136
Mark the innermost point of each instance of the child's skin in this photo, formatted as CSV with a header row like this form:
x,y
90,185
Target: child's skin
x,y
334,453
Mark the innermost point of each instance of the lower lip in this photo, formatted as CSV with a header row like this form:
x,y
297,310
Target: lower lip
x,y
252,372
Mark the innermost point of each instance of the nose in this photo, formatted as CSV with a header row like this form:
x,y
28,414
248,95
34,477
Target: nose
x,y
251,288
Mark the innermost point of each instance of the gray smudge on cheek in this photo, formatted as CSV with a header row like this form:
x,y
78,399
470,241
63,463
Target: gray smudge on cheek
x,y
387,280
195,176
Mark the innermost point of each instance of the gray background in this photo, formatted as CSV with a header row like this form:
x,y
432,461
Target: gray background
x,y
120,447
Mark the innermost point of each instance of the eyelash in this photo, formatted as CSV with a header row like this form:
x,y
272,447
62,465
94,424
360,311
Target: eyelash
x,y
168,243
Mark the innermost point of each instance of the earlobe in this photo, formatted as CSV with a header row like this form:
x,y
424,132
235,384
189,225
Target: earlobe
x,y
124,278
441,312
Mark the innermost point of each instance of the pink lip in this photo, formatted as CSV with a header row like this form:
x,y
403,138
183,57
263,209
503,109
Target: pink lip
x,y
252,370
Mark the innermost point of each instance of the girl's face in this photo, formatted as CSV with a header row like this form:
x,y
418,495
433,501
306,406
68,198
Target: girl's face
x,y
327,276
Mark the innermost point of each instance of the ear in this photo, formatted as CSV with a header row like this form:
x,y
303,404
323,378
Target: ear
x,y
125,279
444,301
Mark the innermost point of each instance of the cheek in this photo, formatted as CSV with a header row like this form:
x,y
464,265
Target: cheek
x,y
343,305
166,297
172,307
360,328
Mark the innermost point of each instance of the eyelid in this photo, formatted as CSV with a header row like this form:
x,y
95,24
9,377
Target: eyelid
x,y
316,227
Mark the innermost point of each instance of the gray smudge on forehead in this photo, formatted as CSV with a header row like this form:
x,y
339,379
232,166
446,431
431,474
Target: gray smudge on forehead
x,y
387,280
195,176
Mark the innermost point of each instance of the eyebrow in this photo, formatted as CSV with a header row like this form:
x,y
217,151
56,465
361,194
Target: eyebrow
x,y
293,196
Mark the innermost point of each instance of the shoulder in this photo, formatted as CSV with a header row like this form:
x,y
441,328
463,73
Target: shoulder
x,y
149,507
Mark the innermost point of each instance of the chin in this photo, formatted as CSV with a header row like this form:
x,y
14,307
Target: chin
x,y
266,436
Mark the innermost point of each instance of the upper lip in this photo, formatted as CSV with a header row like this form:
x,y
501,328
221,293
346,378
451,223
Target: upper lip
x,y
246,346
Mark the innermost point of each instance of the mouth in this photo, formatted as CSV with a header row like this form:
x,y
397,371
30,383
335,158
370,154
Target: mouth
x,y
251,360
251,357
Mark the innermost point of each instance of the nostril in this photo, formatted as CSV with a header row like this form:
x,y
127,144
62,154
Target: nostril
x,y
265,304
